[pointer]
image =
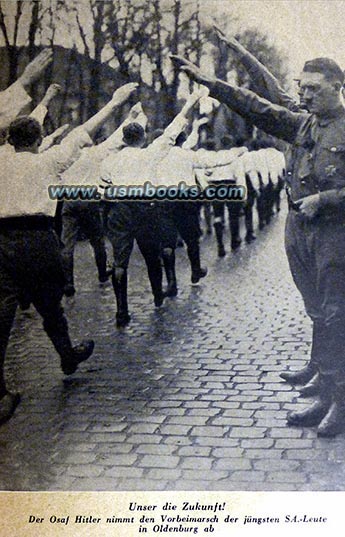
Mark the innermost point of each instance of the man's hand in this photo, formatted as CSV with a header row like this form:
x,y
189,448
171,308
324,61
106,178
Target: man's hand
x,y
123,93
135,111
51,93
191,70
200,122
198,94
230,42
309,205
179,61
35,68
220,34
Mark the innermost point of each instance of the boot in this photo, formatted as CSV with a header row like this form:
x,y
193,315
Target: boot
x,y
221,251
299,377
312,388
169,266
319,408
248,214
154,270
218,228
69,290
235,236
319,349
198,272
334,421
208,218
234,225
250,237
80,353
104,277
57,330
119,281
101,260
158,298
8,404
68,268
235,244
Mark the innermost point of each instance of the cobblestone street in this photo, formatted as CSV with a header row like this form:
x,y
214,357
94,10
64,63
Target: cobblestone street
x,y
188,397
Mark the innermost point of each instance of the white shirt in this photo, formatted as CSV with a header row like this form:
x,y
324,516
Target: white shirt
x,y
187,165
234,170
136,166
252,164
177,166
12,102
25,176
87,169
130,166
276,164
39,113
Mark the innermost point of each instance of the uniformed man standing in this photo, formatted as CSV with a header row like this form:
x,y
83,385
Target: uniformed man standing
x,y
315,231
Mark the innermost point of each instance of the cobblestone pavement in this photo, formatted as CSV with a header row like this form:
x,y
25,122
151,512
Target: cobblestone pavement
x,y
188,397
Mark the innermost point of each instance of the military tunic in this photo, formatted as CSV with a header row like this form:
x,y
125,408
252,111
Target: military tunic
x,y
315,247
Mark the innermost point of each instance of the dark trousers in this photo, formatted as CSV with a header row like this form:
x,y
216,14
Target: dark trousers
x,y
265,203
315,251
30,265
85,217
129,221
234,210
182,217
277,190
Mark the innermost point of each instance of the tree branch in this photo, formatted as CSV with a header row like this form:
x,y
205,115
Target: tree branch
x,y
16,21
3,27
82,34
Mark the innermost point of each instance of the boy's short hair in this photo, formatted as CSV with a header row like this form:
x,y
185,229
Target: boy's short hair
x,y
227,141
24,132
209,144
133,134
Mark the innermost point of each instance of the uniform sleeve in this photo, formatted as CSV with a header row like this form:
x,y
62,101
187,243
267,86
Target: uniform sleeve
x,y
264,83
332,198
273,119
13,100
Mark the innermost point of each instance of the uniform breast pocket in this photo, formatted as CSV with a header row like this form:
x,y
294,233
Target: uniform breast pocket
x,y
332,161
304,164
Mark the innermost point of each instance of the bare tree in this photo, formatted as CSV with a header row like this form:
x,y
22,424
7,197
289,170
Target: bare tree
x,y
11,45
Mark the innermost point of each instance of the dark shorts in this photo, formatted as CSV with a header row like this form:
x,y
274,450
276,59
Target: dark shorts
x,y
129,221
179,217
30,264
82,217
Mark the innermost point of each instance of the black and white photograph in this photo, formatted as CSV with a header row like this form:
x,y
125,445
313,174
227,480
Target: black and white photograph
x,y
172,246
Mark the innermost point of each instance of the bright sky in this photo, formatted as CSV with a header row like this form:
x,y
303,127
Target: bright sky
x,y
303,29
